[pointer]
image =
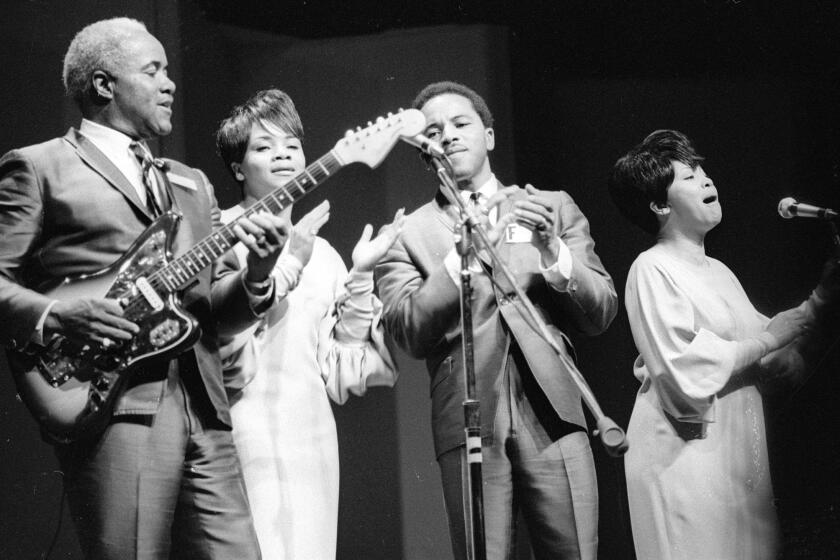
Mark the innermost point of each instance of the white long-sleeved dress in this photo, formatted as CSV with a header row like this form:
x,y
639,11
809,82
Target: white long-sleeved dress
x,y
698,480
322,340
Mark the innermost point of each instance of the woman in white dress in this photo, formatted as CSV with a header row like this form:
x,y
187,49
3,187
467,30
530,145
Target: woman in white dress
x,y
320,340
698,481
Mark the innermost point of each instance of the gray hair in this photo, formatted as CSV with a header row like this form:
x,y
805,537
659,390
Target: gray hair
x,y
99,46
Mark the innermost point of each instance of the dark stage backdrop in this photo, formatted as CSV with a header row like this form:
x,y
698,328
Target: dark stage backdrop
x,y
767,133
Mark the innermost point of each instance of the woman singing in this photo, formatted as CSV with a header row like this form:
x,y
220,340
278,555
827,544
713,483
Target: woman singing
x,y
697,475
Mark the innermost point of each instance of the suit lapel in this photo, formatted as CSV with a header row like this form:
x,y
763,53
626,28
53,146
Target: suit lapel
x,y
97,161
445,211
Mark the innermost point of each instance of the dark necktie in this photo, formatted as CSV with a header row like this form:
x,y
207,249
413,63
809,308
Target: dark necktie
x,y
146,162
474,201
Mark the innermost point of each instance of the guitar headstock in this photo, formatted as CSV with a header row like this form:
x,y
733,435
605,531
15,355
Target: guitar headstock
x,y
371,144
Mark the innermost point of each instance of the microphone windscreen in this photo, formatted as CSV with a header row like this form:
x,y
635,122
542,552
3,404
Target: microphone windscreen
x,y
785,207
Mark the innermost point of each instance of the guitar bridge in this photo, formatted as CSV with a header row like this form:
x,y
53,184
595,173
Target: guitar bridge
x,y
58,370
57,362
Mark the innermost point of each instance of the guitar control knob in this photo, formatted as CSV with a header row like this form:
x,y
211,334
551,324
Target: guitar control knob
x,y
102,383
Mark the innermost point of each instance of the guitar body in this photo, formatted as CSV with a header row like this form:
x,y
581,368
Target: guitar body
x,y
69,386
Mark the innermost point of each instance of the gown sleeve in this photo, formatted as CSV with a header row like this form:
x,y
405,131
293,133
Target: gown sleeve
x,y
687,365
352,350
238,352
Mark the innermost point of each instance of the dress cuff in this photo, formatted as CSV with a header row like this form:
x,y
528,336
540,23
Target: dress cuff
x,y
356,309
286,274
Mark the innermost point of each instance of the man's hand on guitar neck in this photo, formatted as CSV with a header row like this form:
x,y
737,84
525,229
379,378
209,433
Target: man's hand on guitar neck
x,y
264,235
96,320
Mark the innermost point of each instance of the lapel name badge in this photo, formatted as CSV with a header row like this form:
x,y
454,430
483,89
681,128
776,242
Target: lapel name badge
x,y
182,181
514,233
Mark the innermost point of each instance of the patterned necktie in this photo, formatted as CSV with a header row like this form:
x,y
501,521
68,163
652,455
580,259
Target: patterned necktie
x,y
146,162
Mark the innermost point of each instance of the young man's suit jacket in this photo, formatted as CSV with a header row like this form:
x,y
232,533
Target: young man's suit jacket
x,y
422,313
65,209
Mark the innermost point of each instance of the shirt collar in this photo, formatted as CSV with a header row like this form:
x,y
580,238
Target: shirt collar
x,y
105,137
486,190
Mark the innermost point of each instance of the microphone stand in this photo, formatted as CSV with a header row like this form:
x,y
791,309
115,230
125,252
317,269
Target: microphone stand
x,y
471,459
612,437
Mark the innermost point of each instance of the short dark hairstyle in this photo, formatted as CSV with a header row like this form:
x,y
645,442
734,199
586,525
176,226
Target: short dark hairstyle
x,y
272,106
440,88
644,174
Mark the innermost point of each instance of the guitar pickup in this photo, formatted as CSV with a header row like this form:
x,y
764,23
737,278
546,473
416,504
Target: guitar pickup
x,y
149,293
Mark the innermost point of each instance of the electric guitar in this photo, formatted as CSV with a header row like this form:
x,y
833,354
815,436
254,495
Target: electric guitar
x,y
70,387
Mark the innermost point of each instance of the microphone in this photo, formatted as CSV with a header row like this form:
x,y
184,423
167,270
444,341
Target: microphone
x,y
426,145
789,208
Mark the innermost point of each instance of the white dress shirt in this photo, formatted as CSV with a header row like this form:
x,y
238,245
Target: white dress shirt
x,y
115,145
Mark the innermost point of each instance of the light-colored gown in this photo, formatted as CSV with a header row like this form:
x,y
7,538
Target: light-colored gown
x,y
315,343
705,494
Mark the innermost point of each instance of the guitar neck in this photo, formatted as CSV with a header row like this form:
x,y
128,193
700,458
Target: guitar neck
x,y
181,271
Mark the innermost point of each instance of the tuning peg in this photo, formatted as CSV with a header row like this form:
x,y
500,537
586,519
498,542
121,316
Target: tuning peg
x,y
349,133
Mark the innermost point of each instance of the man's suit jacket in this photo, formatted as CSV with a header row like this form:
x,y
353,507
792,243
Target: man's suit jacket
x,y
422,313
65,209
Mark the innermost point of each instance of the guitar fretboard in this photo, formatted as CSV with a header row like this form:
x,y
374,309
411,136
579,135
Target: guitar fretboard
x,y
181,271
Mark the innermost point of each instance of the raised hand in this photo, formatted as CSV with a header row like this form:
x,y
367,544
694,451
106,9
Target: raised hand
x,y
368,252
264,235
537,213
306,229
494,231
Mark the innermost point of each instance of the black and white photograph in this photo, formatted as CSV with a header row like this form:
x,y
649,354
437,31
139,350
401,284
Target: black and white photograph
x,y
441,280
